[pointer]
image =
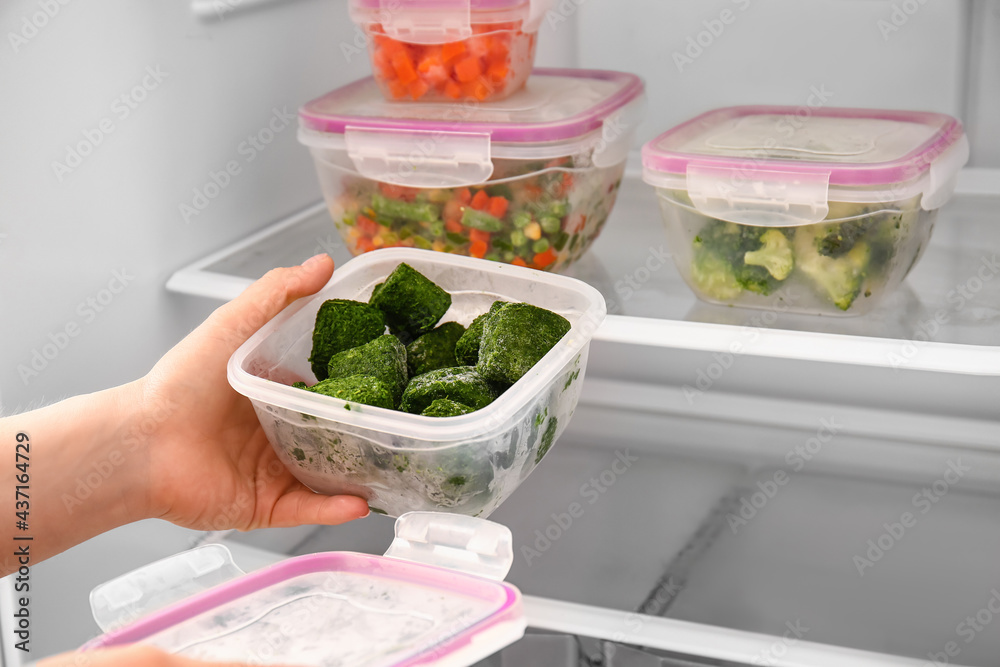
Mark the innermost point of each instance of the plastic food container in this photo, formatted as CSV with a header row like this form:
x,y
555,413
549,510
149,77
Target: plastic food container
x,y
450,50
528,180
436,597
808,210
403,462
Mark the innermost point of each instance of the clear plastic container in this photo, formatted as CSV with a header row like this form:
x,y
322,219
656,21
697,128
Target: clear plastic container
x,y
527,181
402,462
808,210
450,50
436,597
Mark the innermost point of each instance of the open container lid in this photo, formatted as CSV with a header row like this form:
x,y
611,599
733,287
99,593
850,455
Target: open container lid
x,y
436,597
750,163
441,21
559,112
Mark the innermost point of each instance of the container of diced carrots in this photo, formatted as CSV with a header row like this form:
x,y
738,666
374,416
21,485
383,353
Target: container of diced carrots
x,y
529,180
449,50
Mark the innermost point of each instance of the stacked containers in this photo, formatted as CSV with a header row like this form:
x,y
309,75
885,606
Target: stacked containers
x,y
823,213
527,180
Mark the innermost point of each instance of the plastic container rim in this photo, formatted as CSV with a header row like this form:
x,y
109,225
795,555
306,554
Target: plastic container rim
x,y
442,431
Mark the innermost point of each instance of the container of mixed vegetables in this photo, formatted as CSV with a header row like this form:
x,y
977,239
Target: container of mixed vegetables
x,y
807,210
473,50
529,180
421,380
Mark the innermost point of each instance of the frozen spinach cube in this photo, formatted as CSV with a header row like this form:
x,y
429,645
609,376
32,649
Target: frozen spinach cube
x,y
515,338
357,389
434,350
461,384
383,358
467,347
340,325
411,302
444,407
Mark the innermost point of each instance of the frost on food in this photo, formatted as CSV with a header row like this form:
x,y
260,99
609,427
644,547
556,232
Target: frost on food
x,y
515,338
434,350
462,384
340,325
357,389
383,358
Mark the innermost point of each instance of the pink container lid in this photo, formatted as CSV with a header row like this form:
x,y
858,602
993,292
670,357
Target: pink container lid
x,y
854,147
555,105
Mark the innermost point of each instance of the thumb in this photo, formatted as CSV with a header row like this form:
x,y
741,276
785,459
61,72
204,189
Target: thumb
x,y
268,296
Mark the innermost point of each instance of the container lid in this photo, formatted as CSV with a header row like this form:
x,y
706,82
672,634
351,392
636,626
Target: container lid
x,y
422,144
754,162
436,597
441,21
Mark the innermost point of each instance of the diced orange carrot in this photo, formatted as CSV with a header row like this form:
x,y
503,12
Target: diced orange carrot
x,y
365,244
481,201
499,50
366,225
464,195
467,69
544,259
477,89
397,192
497,73
419,88
453,90
454,226
479,47
497,207
452,212
478,235
452,50
403,64
478,249
397,89
517,261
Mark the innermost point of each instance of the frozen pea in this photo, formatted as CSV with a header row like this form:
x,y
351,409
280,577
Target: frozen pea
x,y
541,245
549,224
521,219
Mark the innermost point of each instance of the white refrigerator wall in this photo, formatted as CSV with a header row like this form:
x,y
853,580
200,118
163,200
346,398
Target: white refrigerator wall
x,y
137,137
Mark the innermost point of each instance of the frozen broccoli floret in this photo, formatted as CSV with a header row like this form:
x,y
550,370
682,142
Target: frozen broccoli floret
x,y
357,389
720,267
411,302
839,238
775,254
340,325
467,347
838,278
515,338
434,350
383,358
461,384
443,407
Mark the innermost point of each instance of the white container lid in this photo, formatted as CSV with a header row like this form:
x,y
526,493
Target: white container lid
x,y
781,165
559,112
442,21
436,597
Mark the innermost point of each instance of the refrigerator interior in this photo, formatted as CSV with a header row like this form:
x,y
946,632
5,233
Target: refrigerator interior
x,y
217,76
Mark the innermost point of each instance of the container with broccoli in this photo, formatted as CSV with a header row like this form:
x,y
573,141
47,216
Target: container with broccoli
x,y
822,214
385,428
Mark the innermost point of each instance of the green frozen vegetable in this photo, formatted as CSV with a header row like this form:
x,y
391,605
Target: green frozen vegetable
x,y
467,347
340,325
775,254
383,358
443,407
357,389
376,289
837,278
462,384
840,238
481,221
515,338
435,349
411,302
720,267
394,208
